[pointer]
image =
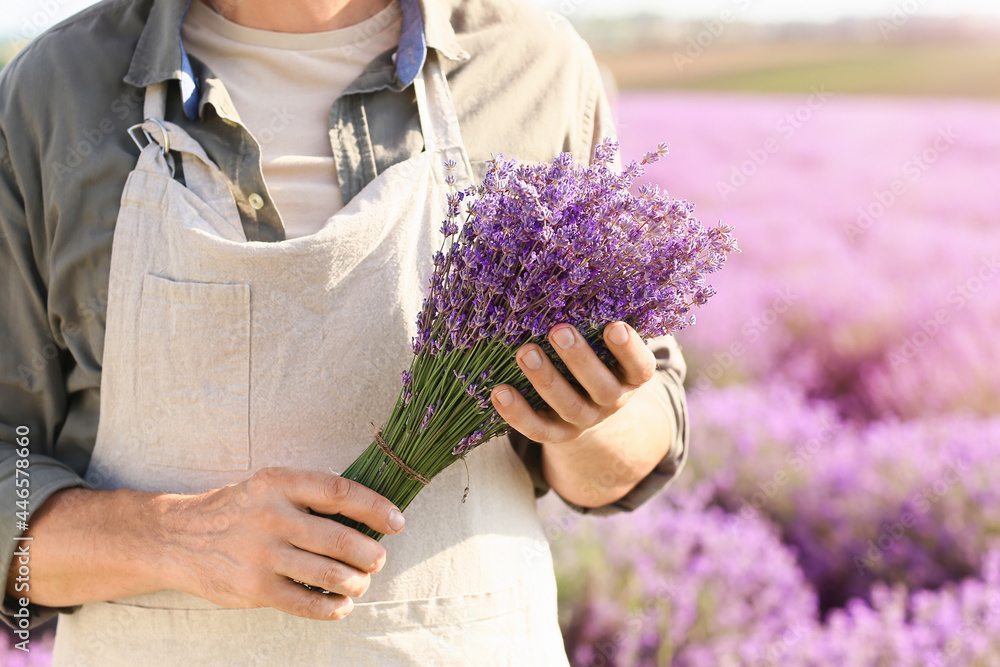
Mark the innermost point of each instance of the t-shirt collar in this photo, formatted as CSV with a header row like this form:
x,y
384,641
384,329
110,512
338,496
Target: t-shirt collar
x,y
160,55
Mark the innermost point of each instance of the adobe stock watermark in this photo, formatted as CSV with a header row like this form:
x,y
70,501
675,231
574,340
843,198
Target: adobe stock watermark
x,y
913,170
567,8
893,532
785,128
795,461
40,358
751,331
88,140
966,634
21,561
772,655
40,19
901,13
554,528
711,30
634,622
371,28
280,120
558,18
958,297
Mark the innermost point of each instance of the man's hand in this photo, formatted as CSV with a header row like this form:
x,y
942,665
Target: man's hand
x,y
599,439
241,546
245,545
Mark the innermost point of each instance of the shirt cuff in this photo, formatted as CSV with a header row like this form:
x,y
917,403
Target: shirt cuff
x,y
47,477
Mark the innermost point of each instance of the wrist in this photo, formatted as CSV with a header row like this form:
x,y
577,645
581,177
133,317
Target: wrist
x,y
607,460
171,524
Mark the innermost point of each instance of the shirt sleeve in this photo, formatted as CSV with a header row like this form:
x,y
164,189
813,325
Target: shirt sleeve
x,y
32,389
670,372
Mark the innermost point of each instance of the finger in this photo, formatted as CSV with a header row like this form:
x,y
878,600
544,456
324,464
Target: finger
x,y
325,573
331,494
296,599
523,419
637,363
564,399
333,539
602,386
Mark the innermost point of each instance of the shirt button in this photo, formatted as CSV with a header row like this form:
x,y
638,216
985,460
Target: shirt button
x,y
256,201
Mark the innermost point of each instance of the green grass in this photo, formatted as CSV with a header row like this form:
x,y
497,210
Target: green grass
x,y
908,69
918,71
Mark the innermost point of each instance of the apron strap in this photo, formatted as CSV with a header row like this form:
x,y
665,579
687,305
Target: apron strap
x,y
155,104
162,137
152,112
439,122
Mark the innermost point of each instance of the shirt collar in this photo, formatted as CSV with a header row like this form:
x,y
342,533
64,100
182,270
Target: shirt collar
x,y
160,55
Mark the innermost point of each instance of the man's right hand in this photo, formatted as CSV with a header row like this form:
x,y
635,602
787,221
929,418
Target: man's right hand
x,y
241,546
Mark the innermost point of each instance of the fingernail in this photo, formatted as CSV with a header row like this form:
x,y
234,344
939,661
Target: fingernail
x,y
396,520
564,338
618,334
505,397
532,360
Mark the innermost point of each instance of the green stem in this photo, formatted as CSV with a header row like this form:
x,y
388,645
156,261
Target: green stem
x,y
456,416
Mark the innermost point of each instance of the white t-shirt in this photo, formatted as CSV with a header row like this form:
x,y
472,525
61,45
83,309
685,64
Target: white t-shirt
x,y
282,85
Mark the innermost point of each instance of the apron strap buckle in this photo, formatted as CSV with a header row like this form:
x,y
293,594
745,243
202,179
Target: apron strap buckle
x,y
133,133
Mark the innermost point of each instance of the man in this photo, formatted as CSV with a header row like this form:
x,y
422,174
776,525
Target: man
x,y
199,326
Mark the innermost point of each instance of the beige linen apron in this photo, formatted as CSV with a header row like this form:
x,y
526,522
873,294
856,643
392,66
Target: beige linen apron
x,y
224,356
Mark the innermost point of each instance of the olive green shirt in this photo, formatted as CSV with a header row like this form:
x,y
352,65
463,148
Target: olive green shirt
x,y
523,83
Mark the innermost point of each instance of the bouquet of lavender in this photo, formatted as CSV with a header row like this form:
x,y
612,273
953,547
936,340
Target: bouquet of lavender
x,y
538,245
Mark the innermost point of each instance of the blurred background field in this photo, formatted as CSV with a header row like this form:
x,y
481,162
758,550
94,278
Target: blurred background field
x,y
838,507
938,56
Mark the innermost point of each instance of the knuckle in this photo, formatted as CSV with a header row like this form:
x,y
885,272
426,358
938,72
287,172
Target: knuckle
x,y
378,505
267,476
545,380
342,542
576,411
332,576
315,606
337,490
539,433
606,394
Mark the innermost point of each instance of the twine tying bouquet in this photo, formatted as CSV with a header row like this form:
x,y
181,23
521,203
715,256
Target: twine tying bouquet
x,y
538,245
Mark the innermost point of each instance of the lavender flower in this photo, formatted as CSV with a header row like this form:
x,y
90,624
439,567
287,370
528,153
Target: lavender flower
x,y
427,417
546,244
677,584
896,502
533,246
467,443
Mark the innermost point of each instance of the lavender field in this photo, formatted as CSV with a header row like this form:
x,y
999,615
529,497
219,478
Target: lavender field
x,y
839,505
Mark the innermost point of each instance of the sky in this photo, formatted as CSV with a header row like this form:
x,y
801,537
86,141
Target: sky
x,y
27,18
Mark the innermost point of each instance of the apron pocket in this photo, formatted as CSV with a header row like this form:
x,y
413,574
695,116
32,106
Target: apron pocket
x,y
194,351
